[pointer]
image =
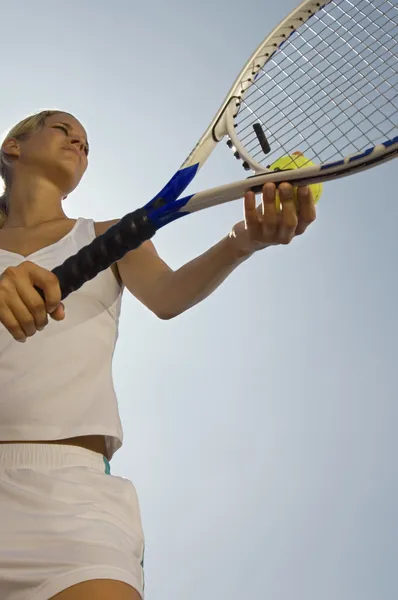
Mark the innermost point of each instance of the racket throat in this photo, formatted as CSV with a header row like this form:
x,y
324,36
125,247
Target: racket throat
x,y
262,140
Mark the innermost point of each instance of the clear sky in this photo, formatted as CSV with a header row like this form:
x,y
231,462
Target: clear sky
x,y
261,426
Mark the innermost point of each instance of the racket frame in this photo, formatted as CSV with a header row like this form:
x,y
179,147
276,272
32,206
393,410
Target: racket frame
x,y
298,177
222,124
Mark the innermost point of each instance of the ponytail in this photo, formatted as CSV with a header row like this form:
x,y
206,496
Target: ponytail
x,y
3,209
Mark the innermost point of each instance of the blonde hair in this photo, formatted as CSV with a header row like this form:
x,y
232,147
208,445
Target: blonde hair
x,y
20,131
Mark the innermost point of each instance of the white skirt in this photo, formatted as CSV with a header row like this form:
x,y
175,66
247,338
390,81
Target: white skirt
x,y
65,519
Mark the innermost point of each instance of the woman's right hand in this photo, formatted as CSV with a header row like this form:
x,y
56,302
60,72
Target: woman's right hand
x,y
22,309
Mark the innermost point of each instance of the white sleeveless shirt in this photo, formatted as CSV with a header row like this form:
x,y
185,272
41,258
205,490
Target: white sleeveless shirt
x,y
58,384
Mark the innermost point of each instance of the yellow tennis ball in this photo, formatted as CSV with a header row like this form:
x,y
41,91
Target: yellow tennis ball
x,y
296,161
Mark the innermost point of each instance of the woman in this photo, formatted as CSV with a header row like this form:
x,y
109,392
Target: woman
x,y
70,530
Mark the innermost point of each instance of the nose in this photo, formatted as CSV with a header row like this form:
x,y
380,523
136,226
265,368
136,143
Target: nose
x,y
78,142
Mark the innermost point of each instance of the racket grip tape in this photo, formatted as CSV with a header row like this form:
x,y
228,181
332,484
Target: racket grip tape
x,y
128,234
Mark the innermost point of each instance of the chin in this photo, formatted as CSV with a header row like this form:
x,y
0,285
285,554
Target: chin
x,y
69,188
67,179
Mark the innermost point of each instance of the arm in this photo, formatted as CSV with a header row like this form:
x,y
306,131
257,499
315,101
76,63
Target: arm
x,y
169,293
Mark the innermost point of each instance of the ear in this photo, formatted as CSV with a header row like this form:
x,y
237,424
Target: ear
x,y
11,148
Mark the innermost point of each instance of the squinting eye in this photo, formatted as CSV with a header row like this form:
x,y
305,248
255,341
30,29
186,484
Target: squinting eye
x,y
62,128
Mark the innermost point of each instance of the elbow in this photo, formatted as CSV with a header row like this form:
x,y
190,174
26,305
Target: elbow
x,y
166,316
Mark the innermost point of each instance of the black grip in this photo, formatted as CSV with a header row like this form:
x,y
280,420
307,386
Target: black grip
x,y
129,233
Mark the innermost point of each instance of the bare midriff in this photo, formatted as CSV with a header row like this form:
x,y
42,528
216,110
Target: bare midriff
x,y
95,443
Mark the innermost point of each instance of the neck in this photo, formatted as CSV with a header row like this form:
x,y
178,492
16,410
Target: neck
x,y
33,201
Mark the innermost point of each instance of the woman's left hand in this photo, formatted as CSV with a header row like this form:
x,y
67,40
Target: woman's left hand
x,y
267,225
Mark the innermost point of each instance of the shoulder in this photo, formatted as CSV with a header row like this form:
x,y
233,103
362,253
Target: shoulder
x,y
103,226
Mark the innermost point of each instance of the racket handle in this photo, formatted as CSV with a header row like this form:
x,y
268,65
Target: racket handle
x,y
129,233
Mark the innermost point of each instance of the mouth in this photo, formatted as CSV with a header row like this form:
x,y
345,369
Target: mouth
x,y
74,150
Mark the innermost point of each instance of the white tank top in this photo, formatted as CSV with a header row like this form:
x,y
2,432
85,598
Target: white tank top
x,y
59,383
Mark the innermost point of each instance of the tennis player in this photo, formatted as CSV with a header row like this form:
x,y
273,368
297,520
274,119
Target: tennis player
x,y
68,528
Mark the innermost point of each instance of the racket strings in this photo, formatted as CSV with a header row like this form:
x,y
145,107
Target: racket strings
x,y
331,89
351,85
277,91
339,128
352,66
322,104
357,39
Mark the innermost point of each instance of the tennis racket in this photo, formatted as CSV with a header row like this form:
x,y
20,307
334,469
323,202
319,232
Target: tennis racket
x,y
324,82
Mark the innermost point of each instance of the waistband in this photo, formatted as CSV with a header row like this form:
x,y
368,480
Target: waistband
x,y
36,456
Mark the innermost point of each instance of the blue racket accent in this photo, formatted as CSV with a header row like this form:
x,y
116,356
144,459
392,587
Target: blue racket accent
x,y
174,188
171,212
363,154
338,163
391,142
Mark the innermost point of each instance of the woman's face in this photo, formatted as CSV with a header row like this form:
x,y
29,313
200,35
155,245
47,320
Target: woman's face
x,y
57,152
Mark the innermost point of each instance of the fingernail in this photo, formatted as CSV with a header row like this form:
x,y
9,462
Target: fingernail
x,y
305,191
286,191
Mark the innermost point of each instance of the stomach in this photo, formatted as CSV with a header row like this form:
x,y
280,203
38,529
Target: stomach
x,y
95,443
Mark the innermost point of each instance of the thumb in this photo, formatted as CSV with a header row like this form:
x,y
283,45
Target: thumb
x,y
59,313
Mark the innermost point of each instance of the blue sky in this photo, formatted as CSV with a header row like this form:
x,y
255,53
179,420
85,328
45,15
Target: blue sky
x,y
260,427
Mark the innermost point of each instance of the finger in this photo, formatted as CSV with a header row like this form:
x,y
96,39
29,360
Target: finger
x,y
11,324
48,282
306,209
59,313
251,214
289,220
270,213
34,305
22,315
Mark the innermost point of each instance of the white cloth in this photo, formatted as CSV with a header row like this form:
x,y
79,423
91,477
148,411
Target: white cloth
x,y
59,383
63,521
